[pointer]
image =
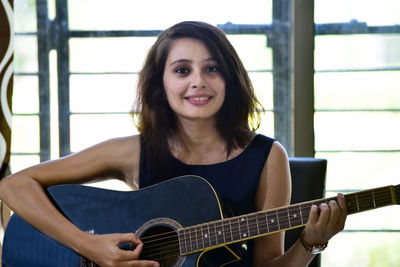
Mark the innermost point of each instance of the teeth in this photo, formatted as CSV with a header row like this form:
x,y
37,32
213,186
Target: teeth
x,y
198,98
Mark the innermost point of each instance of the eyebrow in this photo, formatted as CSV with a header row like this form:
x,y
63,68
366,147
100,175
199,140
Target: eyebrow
x,y
189,61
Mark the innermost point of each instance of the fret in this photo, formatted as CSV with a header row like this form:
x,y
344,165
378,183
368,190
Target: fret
x,y
182,241
294,213
199,238
188,240
283,218
365,200
262,222
248,229
227,229
351,203
205,234
277,217
397,190
383,197
193,239
244,229
235,229
253,225
369,199
304,213
358,207
373,198
213,236
272,220
219,234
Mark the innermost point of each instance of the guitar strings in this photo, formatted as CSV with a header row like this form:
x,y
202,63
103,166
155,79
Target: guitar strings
x,y
171,254
283,220
173,247
304,210
363,198
150,254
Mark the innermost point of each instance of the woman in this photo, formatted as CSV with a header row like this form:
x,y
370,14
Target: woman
x,y
196,103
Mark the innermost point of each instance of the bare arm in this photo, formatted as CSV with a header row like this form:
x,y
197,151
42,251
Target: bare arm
x,y
24,192
274,191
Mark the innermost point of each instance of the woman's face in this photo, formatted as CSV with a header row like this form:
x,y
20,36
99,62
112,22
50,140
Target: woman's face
x,y
193,84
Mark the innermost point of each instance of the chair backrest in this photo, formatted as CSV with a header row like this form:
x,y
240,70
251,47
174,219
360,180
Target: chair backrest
x,y
308,183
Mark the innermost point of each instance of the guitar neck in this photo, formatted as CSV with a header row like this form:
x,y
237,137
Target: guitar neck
x,y
217,233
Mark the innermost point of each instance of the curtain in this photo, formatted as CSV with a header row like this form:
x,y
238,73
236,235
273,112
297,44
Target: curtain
x,y
6,82
6,85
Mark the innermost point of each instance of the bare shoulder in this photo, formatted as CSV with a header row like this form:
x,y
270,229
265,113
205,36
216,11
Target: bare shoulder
x,y
115,150
275,186
126,144
115,158
277,156
123,154
273,191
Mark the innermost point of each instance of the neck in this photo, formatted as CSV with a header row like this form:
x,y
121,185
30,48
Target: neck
x,y
198,142
216,233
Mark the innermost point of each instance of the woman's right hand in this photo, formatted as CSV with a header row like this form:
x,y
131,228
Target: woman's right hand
x,y
104,250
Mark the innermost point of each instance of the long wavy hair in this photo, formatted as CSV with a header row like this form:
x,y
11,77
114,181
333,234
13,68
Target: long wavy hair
x,y
155,120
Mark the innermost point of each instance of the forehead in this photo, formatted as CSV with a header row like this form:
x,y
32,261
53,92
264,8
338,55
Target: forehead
x,y
188,48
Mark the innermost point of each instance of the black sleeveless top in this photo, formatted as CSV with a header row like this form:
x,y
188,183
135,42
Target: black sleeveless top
x,y
235,180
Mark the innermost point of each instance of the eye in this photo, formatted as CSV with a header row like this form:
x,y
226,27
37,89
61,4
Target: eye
x,y
182,70
212,69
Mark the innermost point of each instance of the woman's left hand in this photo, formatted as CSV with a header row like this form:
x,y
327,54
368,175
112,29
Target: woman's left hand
x,y
325,221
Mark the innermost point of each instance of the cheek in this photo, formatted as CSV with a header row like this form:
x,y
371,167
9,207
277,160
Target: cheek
x,y
172,90
168,85
222,89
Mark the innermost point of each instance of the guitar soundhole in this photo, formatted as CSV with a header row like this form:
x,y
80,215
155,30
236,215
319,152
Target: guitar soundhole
x,y
160,243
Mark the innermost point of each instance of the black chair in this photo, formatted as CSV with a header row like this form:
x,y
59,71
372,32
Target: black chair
x,y
308,183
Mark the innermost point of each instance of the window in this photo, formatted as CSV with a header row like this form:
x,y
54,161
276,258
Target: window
x,y
86,93
357,116
75,75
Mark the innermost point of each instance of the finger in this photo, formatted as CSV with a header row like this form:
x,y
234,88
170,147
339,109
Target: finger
x,y
342,202
343,207
133,251
129,237
129,255
126,238
136,252
313,217
324,215
141,263
146,263
335,214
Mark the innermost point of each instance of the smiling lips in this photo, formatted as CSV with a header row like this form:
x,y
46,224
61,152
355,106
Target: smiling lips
x,y
198,100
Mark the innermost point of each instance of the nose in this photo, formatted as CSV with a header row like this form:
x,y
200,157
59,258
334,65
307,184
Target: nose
x,y
198,80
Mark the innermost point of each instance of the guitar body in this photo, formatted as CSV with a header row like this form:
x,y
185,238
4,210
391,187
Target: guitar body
x,y
163,208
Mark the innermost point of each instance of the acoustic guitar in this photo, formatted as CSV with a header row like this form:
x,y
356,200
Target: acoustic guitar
x,y
180,222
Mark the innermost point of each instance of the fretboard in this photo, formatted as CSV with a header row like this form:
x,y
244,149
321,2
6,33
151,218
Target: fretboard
x,y
217,233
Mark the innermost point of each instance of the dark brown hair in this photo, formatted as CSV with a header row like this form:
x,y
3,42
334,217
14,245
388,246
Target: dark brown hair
x,y
156,120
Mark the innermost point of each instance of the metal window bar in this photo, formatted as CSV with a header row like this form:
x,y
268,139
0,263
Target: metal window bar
x,y
44,79
55,35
